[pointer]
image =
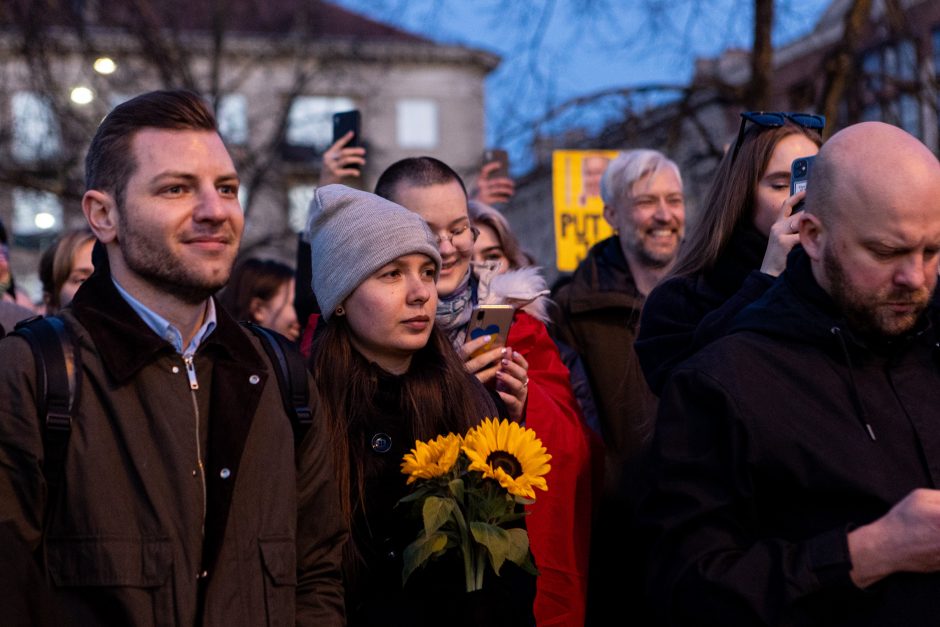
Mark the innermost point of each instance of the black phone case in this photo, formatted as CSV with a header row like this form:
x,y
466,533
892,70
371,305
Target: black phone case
x,y
346,121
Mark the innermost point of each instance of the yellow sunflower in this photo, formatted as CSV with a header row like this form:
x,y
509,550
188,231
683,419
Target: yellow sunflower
x,y
510,454
432,458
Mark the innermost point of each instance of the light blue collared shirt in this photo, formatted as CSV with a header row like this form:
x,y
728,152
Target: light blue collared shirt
x,y
164,329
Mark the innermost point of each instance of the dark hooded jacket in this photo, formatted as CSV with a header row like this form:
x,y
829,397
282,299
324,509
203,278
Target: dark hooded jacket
x,y
775,441
685,313
137,534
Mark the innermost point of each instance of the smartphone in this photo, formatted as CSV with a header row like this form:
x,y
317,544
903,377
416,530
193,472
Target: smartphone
x,y
492,320
500,155
345,121
799,175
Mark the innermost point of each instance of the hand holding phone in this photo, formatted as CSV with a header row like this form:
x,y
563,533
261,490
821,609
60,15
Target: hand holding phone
x,y
500,156
799,176
493,184
345,158
491,320
345,121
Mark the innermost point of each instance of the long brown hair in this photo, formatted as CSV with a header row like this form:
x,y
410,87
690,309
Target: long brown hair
x,y
731,199
438,397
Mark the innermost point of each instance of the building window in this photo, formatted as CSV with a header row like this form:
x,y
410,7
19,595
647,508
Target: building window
x,y
310,120
35,130
298,201
417,123
891,86
36,213
233,119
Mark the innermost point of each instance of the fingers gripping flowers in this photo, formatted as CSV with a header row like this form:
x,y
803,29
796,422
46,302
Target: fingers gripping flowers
x,y
469,491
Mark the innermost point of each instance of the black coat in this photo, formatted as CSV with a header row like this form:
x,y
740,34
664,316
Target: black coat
x,y
435,594
763,464
685,313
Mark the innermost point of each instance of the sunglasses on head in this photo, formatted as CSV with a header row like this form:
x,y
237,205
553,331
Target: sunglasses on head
x,y
774,119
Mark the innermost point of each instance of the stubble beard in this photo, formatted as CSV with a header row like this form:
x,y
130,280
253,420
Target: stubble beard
x,y
868,314
647,256
163,270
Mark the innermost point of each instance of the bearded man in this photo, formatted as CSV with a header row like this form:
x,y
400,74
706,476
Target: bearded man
x,y
596,322
182,498
797,460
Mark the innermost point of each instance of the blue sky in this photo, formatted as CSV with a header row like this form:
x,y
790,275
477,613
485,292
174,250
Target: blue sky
x,y
579,47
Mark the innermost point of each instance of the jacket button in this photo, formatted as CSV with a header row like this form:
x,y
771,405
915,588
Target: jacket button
x,y
381,443
391,556
202,574
253,379
225,473
175,369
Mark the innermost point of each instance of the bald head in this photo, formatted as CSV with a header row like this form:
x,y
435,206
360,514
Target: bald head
x,y
867,166
872,226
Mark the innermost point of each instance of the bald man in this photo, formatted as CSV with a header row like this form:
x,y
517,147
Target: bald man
x,y
797,461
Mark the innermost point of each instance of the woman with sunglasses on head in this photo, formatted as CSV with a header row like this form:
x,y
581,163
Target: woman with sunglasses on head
x,y
530,376
387,376
736,248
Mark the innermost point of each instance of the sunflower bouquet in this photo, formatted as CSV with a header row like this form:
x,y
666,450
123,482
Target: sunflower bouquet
x,y
470,491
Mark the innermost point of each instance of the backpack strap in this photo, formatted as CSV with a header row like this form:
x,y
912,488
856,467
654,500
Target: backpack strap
x,y
291,375
58,381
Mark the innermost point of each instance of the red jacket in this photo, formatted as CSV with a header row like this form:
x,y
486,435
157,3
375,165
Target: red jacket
x,y
559,523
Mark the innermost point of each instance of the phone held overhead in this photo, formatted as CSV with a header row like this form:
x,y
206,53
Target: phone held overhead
x,y
500,156
345,121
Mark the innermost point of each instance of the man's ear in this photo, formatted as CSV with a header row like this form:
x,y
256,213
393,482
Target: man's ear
x,y
100,211
813,235
610,214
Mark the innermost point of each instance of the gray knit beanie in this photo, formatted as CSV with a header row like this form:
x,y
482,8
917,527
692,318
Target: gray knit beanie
x,y
352,234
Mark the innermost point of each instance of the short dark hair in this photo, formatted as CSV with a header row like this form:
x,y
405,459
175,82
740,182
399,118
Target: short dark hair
x,y
110,161
417,171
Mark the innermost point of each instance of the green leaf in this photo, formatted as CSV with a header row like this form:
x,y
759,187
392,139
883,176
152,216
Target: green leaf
x,y
495,540
457,489
518,545
418,552
436,512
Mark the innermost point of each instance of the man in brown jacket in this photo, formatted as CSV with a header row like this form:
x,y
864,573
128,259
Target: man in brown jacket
x,y
183,498
597,316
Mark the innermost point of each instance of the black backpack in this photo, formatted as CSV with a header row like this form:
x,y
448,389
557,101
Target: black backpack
x,y
58,381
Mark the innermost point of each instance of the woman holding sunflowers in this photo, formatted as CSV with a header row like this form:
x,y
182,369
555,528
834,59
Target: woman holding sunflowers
x,y
388,377
559,524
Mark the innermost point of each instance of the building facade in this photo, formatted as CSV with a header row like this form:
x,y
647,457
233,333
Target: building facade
x,y
275,73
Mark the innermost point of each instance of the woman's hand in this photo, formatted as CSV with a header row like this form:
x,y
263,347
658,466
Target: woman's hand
x,y
512,383
494,190
506,367
340,162
784,235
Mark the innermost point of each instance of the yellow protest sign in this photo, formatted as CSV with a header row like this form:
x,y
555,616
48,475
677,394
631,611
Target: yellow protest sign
x,y
579,210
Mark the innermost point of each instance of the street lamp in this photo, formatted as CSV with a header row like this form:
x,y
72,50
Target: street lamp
x,y
82,95
105,65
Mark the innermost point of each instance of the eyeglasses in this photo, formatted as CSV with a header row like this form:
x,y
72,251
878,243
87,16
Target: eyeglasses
x,y
462,238
774,119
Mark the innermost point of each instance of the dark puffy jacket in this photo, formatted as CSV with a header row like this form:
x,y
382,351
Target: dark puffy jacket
x,y
763,463
685,313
